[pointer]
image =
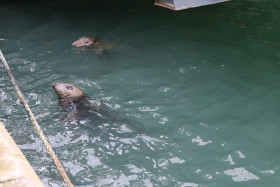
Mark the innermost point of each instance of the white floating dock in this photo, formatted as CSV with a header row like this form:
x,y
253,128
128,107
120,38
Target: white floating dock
x,y
185,4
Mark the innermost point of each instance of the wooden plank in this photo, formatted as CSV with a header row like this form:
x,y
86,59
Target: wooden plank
x,y
15,170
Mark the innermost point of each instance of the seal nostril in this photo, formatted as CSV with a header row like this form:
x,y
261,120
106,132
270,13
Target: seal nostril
x,y
54,85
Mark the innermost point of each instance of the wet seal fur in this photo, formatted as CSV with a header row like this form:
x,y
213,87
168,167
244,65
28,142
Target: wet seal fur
x,y
86,42
93,43
78,105
69,94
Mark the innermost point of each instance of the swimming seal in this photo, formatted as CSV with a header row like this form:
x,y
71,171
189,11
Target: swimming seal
x,y
78,106
68,93
93,43
86,42
74,100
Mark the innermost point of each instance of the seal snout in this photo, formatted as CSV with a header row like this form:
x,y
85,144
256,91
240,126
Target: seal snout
x,y
74,44
54,85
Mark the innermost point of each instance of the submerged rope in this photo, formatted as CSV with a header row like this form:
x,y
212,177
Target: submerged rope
x,y
34,122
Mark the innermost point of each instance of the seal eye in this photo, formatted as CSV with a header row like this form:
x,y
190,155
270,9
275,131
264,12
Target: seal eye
x,y
86,41
69,87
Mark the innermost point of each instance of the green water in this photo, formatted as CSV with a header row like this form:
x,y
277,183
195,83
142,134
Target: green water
x,y
201,85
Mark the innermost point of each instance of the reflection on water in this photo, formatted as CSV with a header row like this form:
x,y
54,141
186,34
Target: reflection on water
x,y
197,92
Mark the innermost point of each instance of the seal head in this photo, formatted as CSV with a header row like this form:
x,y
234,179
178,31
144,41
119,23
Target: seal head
x,y
67,92
86,42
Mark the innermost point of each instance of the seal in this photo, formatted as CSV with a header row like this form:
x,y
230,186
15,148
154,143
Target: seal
x,y
74,100
79,107
68,93
76,103
86,42
93,43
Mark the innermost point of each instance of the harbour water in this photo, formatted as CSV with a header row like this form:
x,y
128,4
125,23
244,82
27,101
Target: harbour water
x,y
200,86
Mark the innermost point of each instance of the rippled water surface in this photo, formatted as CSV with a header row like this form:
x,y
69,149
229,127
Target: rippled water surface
x,y
197,91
